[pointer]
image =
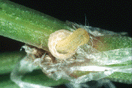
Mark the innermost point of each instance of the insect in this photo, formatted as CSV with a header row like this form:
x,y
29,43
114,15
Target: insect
x,y
63,43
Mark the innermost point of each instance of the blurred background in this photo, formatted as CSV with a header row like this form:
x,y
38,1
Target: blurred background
x,y
112,15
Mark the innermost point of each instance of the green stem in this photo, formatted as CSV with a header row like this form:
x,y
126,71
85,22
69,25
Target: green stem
x,y
27,25
8,60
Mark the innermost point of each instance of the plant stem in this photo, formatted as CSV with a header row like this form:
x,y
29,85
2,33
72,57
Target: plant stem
x,y
8,60
27,25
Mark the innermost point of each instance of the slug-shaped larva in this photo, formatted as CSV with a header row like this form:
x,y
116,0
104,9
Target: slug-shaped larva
x,y
63,43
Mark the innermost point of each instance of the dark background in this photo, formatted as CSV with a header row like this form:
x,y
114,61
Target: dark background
x,y
113,15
